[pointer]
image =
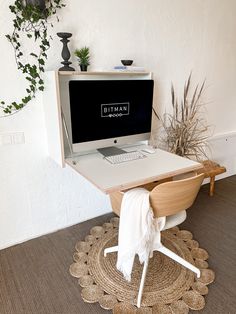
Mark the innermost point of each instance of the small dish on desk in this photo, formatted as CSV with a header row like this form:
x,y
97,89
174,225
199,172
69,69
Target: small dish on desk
x,y
127,62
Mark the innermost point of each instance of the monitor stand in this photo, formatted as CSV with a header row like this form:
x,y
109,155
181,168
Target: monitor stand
x,y
111,151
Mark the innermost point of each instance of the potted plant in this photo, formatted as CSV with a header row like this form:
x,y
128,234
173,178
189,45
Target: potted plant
x,y
31,20
38,3
184,130
84,58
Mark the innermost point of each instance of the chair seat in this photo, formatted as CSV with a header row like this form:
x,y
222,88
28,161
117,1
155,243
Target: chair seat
x,y
174,220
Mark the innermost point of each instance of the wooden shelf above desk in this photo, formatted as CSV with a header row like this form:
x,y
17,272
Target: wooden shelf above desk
x,y
103,73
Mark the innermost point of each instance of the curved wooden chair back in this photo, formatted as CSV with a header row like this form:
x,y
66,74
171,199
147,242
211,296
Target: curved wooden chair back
x,y
172,197
116,199
166,198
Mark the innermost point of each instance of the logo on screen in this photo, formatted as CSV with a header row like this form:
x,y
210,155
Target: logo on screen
x,y
115,110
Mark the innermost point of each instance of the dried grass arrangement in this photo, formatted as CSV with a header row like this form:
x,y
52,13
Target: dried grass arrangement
x,y
185,131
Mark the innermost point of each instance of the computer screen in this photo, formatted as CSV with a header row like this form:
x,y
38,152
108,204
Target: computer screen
x,y
109,112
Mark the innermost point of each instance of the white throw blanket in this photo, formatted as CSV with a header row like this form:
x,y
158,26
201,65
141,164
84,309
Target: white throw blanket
x,y
138,230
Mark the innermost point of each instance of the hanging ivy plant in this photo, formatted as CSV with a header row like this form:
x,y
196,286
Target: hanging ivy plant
x,y
31,21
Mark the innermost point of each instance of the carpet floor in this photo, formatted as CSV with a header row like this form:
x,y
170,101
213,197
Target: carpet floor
x,y
34,276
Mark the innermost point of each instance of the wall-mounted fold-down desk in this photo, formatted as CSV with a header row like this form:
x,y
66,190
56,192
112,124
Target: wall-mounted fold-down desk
x,y
107,177
110,178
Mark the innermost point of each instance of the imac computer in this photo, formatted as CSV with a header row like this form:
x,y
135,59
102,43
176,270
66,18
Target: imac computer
x,y
109,113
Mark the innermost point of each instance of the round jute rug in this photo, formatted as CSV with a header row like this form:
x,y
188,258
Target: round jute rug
x,y
169,287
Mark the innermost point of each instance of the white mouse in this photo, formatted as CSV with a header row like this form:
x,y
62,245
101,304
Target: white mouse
x,y
149,150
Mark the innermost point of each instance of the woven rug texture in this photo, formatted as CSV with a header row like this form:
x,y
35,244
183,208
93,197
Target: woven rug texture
x,y
169,287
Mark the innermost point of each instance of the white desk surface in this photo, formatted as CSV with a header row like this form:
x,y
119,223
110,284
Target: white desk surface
x,y
110,178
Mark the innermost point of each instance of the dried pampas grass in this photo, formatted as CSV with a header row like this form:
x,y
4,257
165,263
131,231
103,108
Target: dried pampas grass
x,y
185,131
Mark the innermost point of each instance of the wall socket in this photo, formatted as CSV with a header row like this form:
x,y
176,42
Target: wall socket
x,y
12,138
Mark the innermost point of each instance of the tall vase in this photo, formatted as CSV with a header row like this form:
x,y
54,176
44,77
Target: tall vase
x,y
65,52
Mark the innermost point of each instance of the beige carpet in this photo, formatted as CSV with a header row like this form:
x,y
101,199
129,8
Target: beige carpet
x,y
169,287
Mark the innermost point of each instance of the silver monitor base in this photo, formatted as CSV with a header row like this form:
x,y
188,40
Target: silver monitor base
x,y
111,151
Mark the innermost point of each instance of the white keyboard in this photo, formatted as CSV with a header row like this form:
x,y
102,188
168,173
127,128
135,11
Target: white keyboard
x,y
118,159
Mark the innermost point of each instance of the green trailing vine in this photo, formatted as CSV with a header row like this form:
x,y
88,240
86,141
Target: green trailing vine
x,y
31,21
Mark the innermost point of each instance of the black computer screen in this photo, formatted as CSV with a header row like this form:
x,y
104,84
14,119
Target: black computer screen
x,y
102,109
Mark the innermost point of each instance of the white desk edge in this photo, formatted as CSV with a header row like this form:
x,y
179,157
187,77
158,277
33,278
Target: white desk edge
x,y
111,178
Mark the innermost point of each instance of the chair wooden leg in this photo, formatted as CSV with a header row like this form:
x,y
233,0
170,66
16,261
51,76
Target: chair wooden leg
x,y
140,292
179,260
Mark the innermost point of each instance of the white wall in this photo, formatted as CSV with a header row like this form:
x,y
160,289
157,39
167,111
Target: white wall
x,y
170,38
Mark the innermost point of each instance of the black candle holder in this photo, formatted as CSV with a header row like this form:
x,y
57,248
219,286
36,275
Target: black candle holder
x,y
65,52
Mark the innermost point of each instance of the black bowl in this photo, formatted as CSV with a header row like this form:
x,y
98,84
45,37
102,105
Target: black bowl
x,y
126,62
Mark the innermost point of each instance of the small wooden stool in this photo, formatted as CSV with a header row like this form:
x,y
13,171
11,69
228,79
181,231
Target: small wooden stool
x,y
211,169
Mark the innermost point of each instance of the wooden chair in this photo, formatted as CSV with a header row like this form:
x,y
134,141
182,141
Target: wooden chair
x,y
170,200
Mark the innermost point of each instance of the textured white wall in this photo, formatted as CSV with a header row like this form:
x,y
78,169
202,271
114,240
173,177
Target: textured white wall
x,y
170,38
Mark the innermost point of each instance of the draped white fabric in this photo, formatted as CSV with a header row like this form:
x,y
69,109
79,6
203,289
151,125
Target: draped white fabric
x,y
139,231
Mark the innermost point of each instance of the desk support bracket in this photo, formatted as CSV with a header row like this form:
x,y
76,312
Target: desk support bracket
x,y
66,132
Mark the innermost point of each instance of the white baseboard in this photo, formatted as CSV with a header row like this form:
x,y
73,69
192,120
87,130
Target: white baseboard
x,y
34,236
